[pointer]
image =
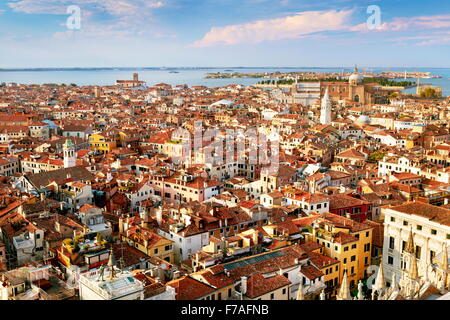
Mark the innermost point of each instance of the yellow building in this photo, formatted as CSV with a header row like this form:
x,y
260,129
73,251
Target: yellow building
x,y
149,243
343,239
99,142
330,267
222,117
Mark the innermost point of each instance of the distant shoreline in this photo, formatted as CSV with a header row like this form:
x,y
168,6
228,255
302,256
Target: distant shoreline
x,y
189,68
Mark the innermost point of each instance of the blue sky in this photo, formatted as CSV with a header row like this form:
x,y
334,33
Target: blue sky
x,y
147,33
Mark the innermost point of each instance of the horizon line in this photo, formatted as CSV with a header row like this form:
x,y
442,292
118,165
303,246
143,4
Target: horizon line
x,y
218,67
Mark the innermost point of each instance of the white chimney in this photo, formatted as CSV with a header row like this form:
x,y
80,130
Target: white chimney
x,y
243,285
188,220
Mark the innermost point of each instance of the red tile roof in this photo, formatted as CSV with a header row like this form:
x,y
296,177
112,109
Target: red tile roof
x,y
258,285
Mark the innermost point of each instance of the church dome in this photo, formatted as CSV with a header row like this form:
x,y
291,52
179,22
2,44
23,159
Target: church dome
x,y
355,79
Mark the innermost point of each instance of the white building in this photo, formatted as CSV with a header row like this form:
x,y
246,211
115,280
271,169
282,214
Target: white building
x,y
307,93
29,245
185,244
308,201
268,114
110,283
424,227
397,164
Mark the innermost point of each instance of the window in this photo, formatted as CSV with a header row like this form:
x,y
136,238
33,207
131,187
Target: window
x,y
367,234
390,260
418,252
367,247
366,261
284,291
433,231
345,260
345,248
392,219
272,296
419,227
354,246
405,223
391,242
432,256
353,258
403,245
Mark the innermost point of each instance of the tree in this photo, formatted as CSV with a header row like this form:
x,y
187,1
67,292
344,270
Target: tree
x,y
428,93
376,156
394,94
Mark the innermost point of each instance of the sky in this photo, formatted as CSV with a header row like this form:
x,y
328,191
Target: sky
x,y
224,33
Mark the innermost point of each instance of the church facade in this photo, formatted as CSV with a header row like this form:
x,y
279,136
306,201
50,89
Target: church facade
x,y
354,90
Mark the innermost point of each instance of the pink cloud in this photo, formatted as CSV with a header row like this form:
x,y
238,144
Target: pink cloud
x,y
290,27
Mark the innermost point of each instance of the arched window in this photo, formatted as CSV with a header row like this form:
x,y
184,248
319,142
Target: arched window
x,y
356,98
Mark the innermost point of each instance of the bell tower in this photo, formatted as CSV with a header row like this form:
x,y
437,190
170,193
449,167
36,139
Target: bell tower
x,y
325,110
70,159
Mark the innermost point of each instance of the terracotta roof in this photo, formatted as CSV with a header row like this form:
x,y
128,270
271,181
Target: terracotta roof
x,y
187,288
311,272
258,285
433,213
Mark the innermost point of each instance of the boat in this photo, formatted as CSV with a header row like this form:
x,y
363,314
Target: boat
x,y
173,71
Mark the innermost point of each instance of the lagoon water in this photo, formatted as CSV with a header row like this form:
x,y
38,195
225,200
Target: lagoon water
x,y
189,76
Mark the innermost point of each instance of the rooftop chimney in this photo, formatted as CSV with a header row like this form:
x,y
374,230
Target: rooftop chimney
x,y
243,285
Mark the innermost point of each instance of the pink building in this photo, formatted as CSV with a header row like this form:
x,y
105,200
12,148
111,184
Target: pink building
x,y
185,188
